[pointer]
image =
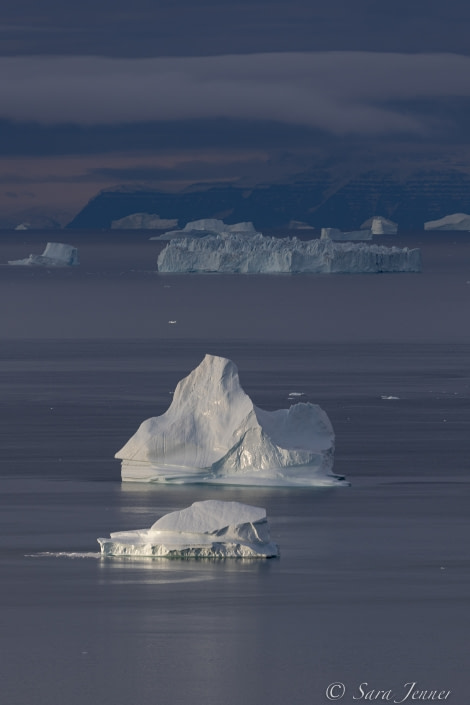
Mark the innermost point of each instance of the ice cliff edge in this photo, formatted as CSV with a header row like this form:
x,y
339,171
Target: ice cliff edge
x,y
232,254
208,529
213,433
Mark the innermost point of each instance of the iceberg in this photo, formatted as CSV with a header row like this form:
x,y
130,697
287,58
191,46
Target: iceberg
x,y
378,225
56,254
213,433
456,221
144,221
299,225
270,255
335,234
208,226
208,529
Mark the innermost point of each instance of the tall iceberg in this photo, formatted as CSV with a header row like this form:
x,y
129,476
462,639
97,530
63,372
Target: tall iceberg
x,y
56,254
213,433
378,225
270,255
208,529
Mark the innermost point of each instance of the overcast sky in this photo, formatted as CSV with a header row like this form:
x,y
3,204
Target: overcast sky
x,y
173,92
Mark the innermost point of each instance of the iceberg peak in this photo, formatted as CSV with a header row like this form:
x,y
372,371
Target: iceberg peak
x,y
212,432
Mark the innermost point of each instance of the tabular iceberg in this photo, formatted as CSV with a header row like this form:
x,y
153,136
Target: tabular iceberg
x,y
144,221
270,255
208,529
456,221
213,433
56,254
208,226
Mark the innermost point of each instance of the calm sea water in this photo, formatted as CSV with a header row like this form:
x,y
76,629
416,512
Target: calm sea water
x,y
373,581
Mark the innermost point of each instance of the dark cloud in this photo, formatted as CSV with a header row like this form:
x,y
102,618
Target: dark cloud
x,y
209,27
33,139
343,93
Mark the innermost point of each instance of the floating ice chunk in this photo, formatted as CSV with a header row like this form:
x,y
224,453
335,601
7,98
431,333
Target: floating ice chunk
x,y
299,225
213,433
208,529
147,221
384,396
456,221
56,254
378,225
270,255
209,226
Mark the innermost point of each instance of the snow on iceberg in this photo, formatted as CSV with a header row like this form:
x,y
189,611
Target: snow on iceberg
x,y
456,221
378,225
270,255
144,221
213,433
56,254
208,529
208,226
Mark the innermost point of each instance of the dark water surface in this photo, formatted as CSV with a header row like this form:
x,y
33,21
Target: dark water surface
x,y
373,583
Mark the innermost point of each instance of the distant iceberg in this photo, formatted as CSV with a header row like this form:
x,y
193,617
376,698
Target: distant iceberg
x,y
336,234
270,255
208,529
208,226
378,225
144,221
456,221
299,225
56,254
213,433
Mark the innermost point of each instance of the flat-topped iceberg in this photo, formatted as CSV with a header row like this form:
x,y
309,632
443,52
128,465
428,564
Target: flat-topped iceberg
x,y
456,221
270,255
208,226
213,433
208,529
144,221
56,254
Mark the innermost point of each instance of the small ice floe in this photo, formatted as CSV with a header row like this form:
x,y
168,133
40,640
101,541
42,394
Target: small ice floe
x,y
64,554
207,529
388,397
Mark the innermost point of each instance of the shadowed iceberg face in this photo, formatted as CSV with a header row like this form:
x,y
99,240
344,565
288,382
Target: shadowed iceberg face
x,y
212,432
208,529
